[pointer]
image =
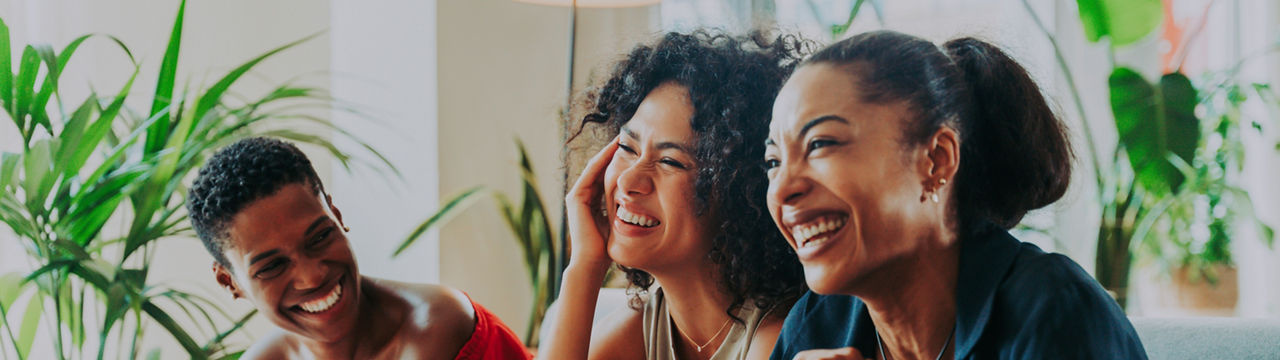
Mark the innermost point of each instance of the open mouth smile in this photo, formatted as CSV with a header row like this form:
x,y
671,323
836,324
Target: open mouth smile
x,y
322,304
817,231
636,219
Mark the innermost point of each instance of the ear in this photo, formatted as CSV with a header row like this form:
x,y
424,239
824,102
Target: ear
x,y
224,278
328,199
941,158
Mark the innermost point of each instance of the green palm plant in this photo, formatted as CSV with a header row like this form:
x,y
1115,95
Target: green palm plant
x,y
98,162
528,221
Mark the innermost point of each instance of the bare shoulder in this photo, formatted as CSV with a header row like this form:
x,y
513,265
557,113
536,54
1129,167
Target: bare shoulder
x,y
767,333
765,337
440,320
620,335
275,345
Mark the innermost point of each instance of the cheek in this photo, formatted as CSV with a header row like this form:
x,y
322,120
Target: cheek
x,y
678,202
340,252
267,293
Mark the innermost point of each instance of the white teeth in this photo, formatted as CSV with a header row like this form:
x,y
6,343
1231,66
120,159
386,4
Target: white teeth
x,y
804,234
636,219
322,304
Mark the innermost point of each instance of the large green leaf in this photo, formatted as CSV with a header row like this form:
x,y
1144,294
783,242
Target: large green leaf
x,y
1123,21
1154,122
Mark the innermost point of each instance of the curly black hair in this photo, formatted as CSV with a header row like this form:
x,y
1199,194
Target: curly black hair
x,y
237,175
732,81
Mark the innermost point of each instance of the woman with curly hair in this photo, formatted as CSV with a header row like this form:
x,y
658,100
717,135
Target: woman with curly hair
x,y
677,198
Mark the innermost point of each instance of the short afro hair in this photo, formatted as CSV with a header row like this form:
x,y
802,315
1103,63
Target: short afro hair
x,y
236,176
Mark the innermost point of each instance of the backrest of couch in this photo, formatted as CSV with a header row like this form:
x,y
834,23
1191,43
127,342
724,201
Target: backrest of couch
x,y
1209,338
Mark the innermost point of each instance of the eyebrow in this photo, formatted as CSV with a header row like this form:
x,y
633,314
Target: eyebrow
x,y
809,125
272,252
821,119
660,146
263,255
315,224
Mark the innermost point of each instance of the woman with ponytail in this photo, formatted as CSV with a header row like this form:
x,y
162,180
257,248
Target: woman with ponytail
x,y
896,167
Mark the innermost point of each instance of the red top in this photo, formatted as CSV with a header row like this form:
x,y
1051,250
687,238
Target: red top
x,y
491,340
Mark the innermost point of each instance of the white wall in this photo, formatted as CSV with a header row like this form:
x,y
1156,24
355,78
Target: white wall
x,y
502,75
384,64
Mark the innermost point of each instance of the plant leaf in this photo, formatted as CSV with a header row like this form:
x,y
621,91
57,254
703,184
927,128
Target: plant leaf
x,y
158,131
40,103
169,324
36,166
6,74
450,209
24,89
216,341
84,147
8,169
30,323
1154,122
1124,21
11,286
213,96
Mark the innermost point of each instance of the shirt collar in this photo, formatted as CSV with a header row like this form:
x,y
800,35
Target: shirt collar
x,y
985,259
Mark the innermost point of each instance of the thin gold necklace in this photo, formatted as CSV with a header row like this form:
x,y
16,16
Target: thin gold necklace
x,y
885,354
697,347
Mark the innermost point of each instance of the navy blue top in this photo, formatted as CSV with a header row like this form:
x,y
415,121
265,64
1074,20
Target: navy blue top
x,y
1013,301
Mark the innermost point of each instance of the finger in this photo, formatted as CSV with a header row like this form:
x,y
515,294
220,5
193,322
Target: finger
x,y
592,173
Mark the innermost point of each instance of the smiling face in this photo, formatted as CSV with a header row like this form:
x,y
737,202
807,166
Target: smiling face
x,y
290,258
843,189
649,189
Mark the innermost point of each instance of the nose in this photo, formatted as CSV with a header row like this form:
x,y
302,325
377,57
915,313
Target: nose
x,y
635,180
788,185
309,273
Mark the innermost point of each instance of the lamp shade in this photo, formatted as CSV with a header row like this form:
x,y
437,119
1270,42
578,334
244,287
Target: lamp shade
x,y
594,3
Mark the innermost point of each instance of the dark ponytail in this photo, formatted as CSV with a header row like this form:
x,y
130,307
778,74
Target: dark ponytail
x,y
1018,157
1015,154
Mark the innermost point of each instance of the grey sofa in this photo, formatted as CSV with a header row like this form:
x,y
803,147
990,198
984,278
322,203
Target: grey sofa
x,y
1209,338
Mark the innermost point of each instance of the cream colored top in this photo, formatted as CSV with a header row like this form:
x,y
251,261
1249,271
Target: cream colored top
x,y
659,336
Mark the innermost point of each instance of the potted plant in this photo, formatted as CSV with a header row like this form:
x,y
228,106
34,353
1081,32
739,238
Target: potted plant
x,y
78,169
1169,192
